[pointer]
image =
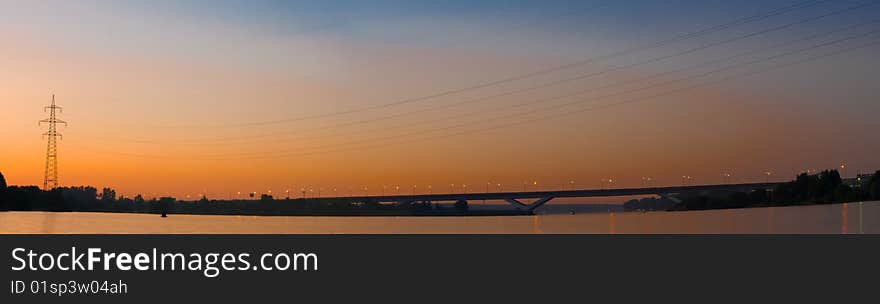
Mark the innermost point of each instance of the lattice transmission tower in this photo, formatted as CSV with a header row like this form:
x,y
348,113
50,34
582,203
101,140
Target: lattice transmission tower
x,y
50,179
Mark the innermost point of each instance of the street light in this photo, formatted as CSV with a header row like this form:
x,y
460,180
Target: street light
x,y
686,179
767,174
843,170
725,177
609,181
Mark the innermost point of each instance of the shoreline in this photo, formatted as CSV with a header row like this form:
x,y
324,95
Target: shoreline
x,y
434,213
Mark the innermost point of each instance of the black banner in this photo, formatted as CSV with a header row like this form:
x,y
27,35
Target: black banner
x,y
450,268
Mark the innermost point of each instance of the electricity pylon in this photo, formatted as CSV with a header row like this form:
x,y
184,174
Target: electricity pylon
x,y
50,179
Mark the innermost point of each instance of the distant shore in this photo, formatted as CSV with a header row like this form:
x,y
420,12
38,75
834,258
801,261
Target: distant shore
x,y
826,187
321,213
860,217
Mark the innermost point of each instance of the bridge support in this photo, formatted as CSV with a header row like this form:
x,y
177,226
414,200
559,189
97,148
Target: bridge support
x,y
672,198
529,207
516,203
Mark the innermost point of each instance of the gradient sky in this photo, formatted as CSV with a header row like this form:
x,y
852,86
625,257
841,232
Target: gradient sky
x,y
187,97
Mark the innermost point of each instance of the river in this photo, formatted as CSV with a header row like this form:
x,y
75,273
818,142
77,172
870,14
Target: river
x,y
862,217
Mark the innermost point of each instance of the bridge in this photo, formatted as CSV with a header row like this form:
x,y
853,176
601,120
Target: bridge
x,y
542,197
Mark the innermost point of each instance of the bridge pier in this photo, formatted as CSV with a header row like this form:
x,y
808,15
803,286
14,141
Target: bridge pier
x,y
538,203
515,203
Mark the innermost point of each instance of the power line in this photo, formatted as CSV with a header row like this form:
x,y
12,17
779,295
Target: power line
x,y
599,107
532,88
554,107
746,20
581,92
642,79
399,136
629,91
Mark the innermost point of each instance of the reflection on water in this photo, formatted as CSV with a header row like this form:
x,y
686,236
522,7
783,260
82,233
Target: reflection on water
x,y
840,218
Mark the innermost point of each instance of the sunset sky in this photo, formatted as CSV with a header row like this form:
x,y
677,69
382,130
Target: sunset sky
x,y
189,97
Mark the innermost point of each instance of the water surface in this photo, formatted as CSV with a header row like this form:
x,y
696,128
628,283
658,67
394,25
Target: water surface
x,y
825,219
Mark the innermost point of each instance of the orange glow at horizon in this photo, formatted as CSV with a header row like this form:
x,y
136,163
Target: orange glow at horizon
x,y
618,145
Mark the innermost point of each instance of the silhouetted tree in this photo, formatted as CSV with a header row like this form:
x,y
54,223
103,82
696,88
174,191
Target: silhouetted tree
x,y
164,204
824,187
844,193
81,198
3,205
55,201
124,203
801,187
108,195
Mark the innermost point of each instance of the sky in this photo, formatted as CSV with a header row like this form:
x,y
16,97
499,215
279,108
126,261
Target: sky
x,y
186,98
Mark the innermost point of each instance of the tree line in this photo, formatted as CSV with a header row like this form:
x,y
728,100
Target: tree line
x,y
823,188
86,198
826,187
